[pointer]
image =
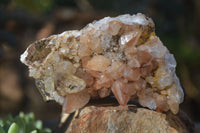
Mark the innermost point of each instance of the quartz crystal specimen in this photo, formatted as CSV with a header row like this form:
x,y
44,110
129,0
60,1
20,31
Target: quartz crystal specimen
x,y
118,56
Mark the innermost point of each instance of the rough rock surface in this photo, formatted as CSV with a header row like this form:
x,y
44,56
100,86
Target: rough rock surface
x,y
128,120
121,55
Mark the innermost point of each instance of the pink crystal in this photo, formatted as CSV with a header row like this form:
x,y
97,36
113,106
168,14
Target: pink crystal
x,y
75,101
120,54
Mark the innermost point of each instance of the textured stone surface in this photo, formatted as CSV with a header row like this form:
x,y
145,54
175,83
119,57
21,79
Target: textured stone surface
x,y
121,55
128,120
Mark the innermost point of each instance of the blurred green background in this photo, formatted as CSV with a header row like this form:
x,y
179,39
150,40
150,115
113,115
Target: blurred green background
x,y
24,21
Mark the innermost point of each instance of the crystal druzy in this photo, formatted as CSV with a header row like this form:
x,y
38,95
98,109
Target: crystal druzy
x,y
118,56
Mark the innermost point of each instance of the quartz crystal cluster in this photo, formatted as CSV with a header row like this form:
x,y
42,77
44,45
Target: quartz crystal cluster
x,y
118,56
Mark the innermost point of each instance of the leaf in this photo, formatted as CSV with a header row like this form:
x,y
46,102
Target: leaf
x,y
46,130
2,130
1,123
21,124
29,117
38,124
34,131
9,119
13,128
22,115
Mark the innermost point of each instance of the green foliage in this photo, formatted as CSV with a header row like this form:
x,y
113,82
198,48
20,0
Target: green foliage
x,y
34,6
23,123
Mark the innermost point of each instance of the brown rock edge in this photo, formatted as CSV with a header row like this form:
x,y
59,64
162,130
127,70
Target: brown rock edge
x,y
128,119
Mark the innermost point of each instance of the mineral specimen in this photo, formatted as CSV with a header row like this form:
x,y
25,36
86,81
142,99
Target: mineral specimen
x,y
121,55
